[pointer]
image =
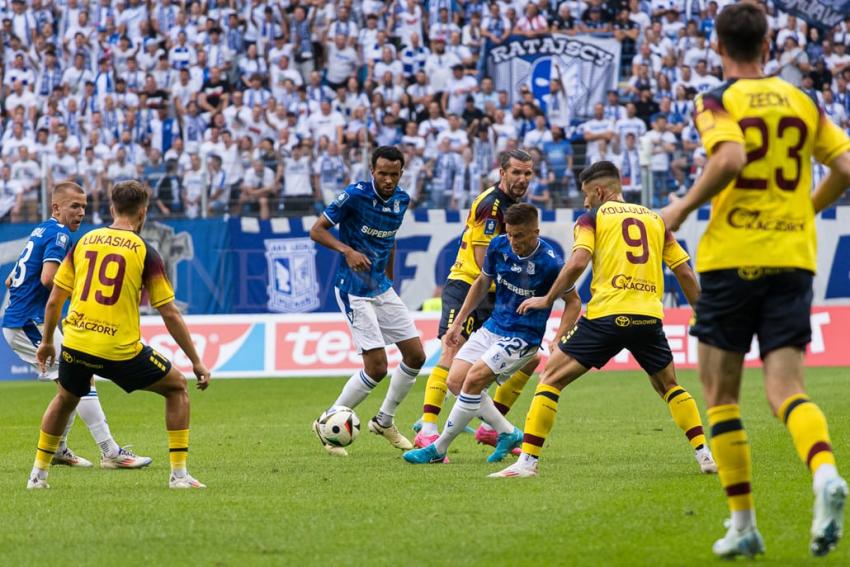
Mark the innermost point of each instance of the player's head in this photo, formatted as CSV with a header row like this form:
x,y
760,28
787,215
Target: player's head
x,y
516,168
522,228
387,167
130,203
600,182
742,33
68,204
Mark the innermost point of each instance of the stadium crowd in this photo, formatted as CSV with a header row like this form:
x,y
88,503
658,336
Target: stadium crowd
x,y
231,107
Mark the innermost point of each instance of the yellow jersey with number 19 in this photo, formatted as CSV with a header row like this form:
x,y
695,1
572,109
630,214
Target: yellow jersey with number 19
x,y
764,217
628,243
105,273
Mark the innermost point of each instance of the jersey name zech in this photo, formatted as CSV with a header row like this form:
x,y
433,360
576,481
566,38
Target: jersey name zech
x,y
765,217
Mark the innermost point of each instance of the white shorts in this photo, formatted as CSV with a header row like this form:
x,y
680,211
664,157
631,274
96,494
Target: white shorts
x,y
502,355
24,342
376,322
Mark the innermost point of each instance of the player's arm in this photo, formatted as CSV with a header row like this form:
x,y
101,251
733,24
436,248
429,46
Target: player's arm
x,y
572,308
48,272
477,292
479,252
724,165
834,184
180,333
320,233
46,353
688,281
391,263
567,277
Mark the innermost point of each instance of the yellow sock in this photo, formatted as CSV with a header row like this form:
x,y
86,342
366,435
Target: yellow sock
x,y
807,425
47,446
507,393
731,450
178,449
435,394
685,413
540,419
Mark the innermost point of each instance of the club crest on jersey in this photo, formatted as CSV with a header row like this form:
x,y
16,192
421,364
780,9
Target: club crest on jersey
x,y
396,207
293,285
530,268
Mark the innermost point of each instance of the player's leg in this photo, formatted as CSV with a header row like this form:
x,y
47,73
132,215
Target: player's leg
x,y
720,373
506,395
783,335
589,345
402,380
453,295
807,425
72,384
683,408
396,327
176,393
24,342
727,316
648,344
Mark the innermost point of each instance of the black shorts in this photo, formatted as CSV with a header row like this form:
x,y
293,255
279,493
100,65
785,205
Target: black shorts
x,y
77,368
454,294
593,342
772,303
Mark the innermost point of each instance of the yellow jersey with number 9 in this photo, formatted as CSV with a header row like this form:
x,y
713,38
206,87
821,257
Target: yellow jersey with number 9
x,y
105,273
628,244
765,217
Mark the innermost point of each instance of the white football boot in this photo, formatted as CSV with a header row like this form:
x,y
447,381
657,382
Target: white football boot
x,y
187,481
747,542
517,470
68,458
828,521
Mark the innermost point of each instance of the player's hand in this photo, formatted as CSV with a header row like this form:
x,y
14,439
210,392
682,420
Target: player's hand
x,y
357,261
674,214
45,355
532,304
9,280
453,336
202,374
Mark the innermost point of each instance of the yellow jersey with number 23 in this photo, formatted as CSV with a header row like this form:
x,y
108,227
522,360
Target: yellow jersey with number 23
x,y
764,217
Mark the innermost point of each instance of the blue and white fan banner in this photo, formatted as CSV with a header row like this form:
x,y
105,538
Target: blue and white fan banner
x,y
586,65
821,13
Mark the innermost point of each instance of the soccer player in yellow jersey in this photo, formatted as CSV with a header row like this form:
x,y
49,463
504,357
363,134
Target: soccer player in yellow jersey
x,y
103,275
626,244
756,261
485,222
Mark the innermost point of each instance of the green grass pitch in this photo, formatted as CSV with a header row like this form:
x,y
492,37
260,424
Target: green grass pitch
x,y
618,485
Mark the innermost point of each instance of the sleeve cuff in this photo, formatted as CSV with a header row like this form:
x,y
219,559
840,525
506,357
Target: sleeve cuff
x,y
168,299
678,263
333,222
62,286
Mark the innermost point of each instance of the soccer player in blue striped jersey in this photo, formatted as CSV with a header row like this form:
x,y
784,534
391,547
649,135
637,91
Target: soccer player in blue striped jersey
x,y
29,287
369,214
522,266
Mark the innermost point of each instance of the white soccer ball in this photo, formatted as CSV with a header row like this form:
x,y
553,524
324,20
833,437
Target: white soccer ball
x,y
339,426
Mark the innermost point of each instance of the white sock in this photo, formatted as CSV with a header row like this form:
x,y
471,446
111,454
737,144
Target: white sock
x,y
63,442
429,428
355,390
92,413
465,408
486,426
490,414
38,473
743,519
824,474
401,382
178,473
526,460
